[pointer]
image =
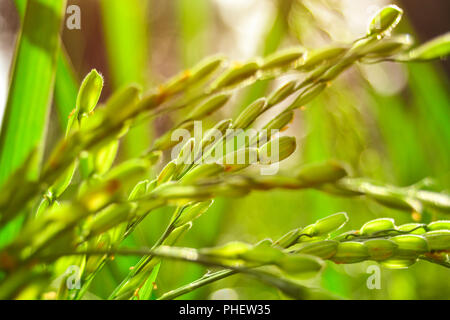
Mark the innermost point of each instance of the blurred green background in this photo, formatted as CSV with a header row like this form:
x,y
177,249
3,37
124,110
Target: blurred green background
x,y
390,122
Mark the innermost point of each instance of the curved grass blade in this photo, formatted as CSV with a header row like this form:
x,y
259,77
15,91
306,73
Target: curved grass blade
x,y
66,82
31,87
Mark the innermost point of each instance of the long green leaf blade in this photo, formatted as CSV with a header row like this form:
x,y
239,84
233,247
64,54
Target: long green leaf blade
x,y
30,91
32,84
66,82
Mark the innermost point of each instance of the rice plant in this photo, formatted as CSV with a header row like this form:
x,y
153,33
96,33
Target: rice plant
x,y
82,204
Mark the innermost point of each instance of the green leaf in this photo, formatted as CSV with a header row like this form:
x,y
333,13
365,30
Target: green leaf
x,y
66,83
31,85
146,291
31,89
66,89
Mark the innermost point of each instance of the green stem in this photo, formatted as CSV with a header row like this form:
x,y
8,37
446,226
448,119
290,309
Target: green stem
x,y
203,281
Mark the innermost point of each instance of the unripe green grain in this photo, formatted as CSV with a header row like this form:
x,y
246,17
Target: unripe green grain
x,y
219,129
120,105
377,225
209,106
323,249
331,223
90,91
380,249
167,172
192,212
413,228
282,59
351,252
439,225
249,114
300,265
231,250
109,217
318,173
201,172
277,150
105,157
307,95
238,73
385,20
410,246
240,159
319,56
195,75
63,181
281,93
205,68
166,141
288,239
438,240
279,122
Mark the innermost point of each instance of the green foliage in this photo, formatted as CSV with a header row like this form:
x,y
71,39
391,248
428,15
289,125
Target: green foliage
x,y
88,227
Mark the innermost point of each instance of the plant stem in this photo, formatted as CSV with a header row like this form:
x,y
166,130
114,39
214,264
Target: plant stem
x,y
206,279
